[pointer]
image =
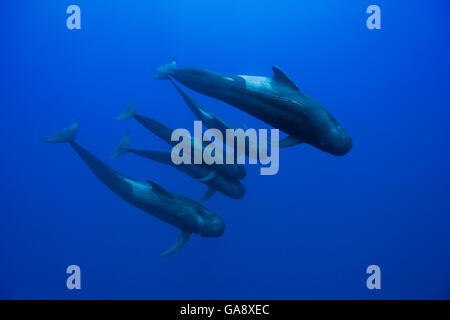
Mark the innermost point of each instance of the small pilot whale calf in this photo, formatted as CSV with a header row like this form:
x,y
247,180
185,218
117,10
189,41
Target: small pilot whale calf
x,y
203,173
275,100
187,215
232,171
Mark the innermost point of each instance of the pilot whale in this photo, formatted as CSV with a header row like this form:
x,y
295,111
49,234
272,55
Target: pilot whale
x,y
212,121
203,173
275,100
187,215
232,171
209,119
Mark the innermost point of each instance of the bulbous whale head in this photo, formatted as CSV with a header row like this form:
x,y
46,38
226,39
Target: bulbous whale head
x,y
200,220
324,132
214,226
335,139
236,189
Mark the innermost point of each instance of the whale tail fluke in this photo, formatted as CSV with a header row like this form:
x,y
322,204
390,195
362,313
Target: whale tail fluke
x,y
165,71
123,147
129,112
65,135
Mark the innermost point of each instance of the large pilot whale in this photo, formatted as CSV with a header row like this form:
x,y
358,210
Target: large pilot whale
x,y
186,214
201,172
275,100
232,171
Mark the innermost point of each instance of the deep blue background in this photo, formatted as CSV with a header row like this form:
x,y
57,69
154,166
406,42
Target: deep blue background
x,y
308,232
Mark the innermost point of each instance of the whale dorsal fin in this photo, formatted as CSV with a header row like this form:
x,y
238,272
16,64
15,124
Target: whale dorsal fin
x,y
160,190
280,77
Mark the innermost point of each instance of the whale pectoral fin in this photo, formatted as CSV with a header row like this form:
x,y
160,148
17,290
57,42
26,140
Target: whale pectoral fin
x,y
160,190
181,241
280,77
205,113
209,193
289,141
209,176
221,121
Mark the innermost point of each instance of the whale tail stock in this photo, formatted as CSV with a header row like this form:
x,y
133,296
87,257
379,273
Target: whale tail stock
x,y
124,146
65,135
166,70
129,112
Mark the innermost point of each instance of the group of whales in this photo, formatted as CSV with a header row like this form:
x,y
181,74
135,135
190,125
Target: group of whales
x,y
275,100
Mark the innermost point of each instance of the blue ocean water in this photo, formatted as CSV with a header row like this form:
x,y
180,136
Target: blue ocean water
x,y
308,232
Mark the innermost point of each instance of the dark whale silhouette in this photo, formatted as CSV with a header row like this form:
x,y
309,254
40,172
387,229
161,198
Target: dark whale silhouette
x,y
203,173
212,121
186,214
208,118
276,100
232,171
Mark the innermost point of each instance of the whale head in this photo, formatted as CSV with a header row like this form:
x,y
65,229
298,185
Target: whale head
x,y
326,133
236,189
200,220
339,141
213,225
335,139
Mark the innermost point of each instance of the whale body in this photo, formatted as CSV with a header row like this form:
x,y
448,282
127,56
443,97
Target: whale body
x,y
275,100
211,121
187,215
202,173
232,171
